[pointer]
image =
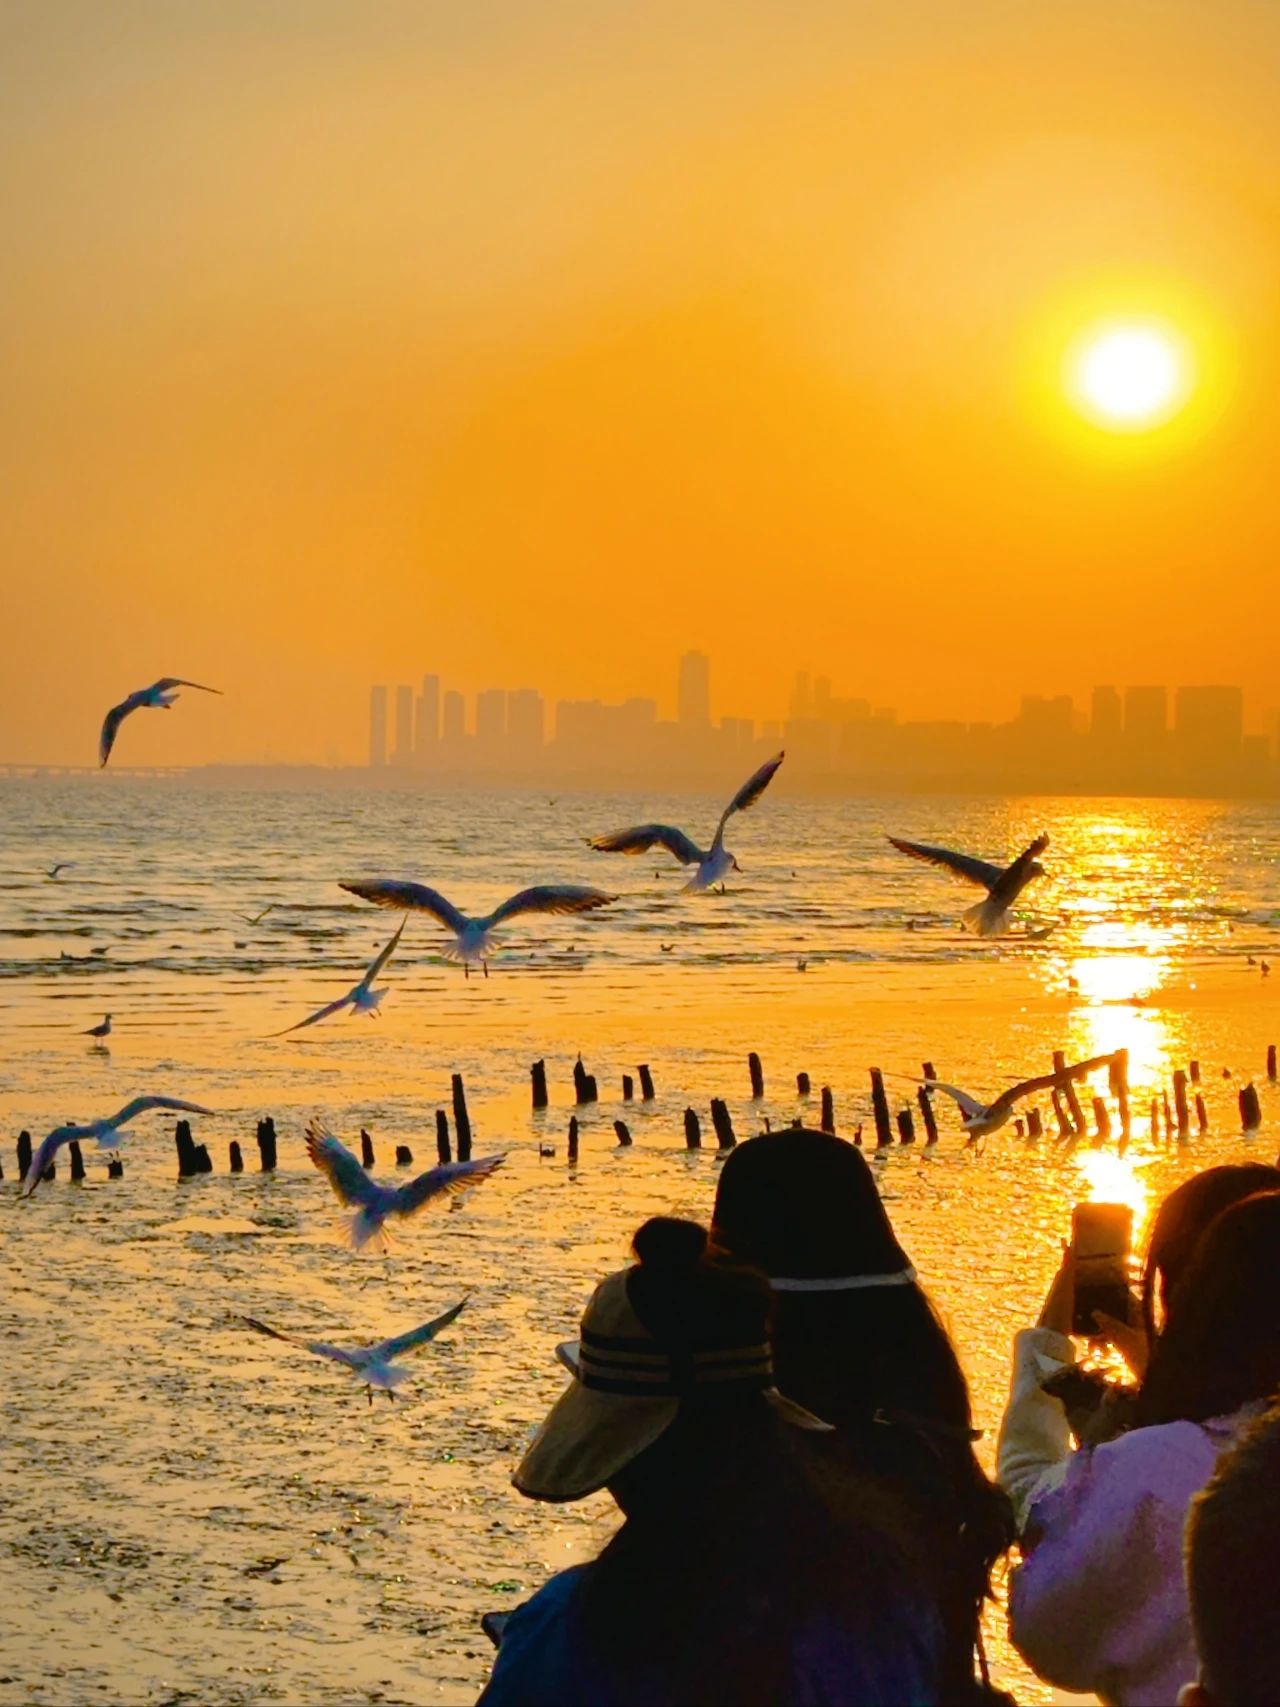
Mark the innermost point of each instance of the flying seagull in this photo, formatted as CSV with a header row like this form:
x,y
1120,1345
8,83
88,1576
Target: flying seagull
x,y
1003,883
377,1202
257,917
106,1134
160,693
473,939
62,865
362,998
713,863
375,1365
98,1031
979,1118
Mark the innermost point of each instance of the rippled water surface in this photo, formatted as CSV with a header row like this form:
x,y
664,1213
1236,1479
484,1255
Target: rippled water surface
x,y
196,1514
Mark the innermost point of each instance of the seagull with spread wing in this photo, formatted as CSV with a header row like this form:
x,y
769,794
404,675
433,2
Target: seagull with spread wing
x,y
980,1118
258,917
62,865
1003,884
473,939
107,1134
363,998
375,1203
160,693
374,1365
713,863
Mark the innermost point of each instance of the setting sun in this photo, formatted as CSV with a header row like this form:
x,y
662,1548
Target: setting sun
x,y
1129,377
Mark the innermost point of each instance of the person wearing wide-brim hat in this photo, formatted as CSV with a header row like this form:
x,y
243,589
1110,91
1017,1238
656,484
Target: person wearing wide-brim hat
x,y
857,1341
741,1572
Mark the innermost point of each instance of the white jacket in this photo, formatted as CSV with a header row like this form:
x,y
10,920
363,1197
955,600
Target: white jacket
x,y
1099,1602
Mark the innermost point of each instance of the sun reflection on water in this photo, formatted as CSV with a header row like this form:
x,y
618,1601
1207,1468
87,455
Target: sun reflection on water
x,y
1109,1178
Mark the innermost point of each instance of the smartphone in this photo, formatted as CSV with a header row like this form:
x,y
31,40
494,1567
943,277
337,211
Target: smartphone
x,y
1100,1238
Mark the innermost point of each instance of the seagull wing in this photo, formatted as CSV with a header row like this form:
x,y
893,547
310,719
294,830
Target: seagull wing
x,y
407,897
111,724
317,1347
446,1180
48,1149
977,871
385,955
969,1106
550,898
1050,1081
641,837
345,1175
749,793
167,682
319,1014
140,1105
389,1350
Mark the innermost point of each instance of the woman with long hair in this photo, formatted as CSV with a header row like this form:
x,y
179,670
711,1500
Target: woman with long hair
x,y
857,1341
1099,1602
742,1572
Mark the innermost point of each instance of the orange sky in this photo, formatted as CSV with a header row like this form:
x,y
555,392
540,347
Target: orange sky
x,y
535,342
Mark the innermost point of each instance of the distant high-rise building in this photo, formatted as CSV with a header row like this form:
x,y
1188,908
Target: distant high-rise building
x,y
1146,716
491,716
1046,716
377,727
1106,715
822,696
452,718
402,753
693,702
801,705
1208,725
426,734
525,719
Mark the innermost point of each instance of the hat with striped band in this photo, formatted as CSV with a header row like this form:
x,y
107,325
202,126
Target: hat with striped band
x,y
631,1377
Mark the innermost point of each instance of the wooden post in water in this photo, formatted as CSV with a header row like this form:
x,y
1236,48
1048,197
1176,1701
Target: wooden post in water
x,y
1102,1117
366,1149
461,1119
857,1135
723,1124
1271,1062
928,1070
1193,1068
1250,1108
1180,1102
444,1152
24,1154
1060,1114
77,1160
235,1157
573,1140
628,1087
802,1084
906,1126
538,1084
880,1108
584,1084
115,1168
1078,1122
1035,1124
828,1117
757,1075
1168,1114
404,1156
1155,1119
267,1144
623,1133
646,1082
1202,1114
927,1116
692,1130
185,1149
1118,1077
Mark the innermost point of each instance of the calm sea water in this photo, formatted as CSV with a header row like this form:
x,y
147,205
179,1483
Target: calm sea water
x,y
195,1514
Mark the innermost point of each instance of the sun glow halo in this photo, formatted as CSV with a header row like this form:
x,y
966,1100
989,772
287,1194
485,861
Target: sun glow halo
x,y
1129,377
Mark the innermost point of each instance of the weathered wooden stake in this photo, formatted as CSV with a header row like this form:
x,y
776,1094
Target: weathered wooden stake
x,y
880,1108
461,1119
24,1154
906,1127
1202,1114
235,1157
1168,1114
927,1116
928,1070
1155,1119
1019,1127
1118,1074
723,1124
538,1084
1271,1062
584,1084
366,1149
115,1168
1250,1108
404,1156
646,1083
802,1084
757,1074
444,1153
573,1140
185,1148
267,1144
628,1087
1180,1102
1035,1124
827,1120
77,1160
1102,1117
1078,1122
1193,1068
622,1132
692,1130
1060,1114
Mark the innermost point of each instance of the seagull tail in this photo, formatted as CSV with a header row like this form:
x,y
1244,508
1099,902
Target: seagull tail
x,y
387,1375
368,1232
988,918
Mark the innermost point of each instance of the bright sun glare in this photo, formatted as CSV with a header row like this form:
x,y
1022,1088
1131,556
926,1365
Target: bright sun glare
x,y
1129,377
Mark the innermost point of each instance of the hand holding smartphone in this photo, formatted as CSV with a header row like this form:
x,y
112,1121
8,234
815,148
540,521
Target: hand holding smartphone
x,y
1101,1234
